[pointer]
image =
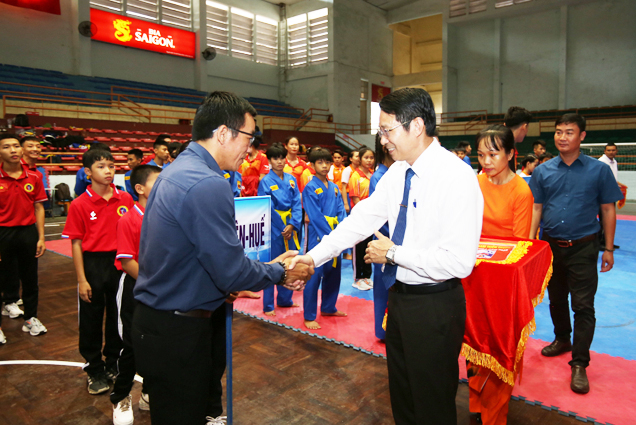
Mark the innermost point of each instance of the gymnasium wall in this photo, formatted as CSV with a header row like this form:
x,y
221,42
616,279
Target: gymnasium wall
x,y
575,56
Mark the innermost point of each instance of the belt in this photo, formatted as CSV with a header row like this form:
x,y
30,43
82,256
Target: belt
x,y
201,314
432,288
333,222
568,243
285,215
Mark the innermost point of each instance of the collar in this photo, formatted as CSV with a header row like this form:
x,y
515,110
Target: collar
x,y
23,162
579,159
139,209
25,171
95,197
611,161
429,154
205,156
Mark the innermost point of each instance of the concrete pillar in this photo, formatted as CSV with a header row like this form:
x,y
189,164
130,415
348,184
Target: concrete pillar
x,y
200,30
81,46
563,55
496,78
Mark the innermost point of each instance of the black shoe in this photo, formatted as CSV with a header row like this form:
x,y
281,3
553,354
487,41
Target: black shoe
x,y
97,384
557,347
111,374
579,383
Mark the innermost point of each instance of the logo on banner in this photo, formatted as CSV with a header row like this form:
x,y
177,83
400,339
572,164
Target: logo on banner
x,y
28,187
122,210
154,37
122,28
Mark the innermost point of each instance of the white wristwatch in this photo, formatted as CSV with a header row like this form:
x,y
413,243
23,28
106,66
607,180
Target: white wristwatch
x,y
390,255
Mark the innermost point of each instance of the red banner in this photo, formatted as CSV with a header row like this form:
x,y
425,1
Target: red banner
x,y
378,92
48,6
131,32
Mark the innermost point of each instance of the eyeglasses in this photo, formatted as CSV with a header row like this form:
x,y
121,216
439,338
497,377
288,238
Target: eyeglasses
x,y
385,133
252,137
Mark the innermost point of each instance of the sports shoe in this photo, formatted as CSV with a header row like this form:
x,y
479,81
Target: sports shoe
x,y
122,413
219,420
144,402
34,327
111,374
12,310
369,283
97,384
19,302
3,340
361,285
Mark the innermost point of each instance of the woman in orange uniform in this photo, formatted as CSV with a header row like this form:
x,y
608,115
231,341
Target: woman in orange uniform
x,y
293,164
254,167
358,191
507,213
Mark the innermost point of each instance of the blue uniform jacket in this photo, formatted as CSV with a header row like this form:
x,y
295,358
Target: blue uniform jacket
x,y
320,201
236,181
189,254
81,182
129,187
285,197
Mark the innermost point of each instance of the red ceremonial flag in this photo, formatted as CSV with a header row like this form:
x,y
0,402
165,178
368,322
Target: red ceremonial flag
x,y
48,6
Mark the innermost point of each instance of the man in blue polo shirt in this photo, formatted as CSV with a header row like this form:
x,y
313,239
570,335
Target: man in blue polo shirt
x,y
184,278
568,191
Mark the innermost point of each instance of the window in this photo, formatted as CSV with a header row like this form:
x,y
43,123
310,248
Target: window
x,y
504,3
218,31
308,38
464,7
266,41
242,34
174,13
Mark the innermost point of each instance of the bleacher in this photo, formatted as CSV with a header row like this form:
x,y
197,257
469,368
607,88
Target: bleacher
x,y
31,81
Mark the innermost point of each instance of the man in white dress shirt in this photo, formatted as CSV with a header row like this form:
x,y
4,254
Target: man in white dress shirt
x,y
427,307
609,157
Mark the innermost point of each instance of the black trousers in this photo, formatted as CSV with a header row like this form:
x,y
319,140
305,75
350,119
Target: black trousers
x,y
361,269
182,361
103,277
575,274
126,364
423,340
17,250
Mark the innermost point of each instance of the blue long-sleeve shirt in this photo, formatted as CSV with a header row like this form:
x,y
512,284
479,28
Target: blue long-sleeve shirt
x,y
129,187
189,254
375,179
81,182
320,201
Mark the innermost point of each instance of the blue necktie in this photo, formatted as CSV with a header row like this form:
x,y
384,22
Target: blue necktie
x,y
398,233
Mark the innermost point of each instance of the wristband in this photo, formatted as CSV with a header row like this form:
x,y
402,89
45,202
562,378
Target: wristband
x,y
610,250
284,277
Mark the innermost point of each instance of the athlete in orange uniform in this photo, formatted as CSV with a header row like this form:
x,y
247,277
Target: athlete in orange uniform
x,y
253,169
508,205
335,172
294,165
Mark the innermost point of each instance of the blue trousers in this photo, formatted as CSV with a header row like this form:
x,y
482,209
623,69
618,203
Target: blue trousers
x,y
380,300
330,278
284,296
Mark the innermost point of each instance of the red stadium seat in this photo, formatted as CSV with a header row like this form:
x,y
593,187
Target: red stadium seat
x,y
94,130
53,168
120,158
119,139
109,131
140,132
133,140
125,132
153,133
102,139
125,148
71,168
148,140
60,128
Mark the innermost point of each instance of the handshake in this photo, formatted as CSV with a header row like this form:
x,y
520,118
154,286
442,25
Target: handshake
x,y
298,274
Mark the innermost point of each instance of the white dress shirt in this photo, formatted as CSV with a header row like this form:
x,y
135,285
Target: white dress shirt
x,y
443,221
612,163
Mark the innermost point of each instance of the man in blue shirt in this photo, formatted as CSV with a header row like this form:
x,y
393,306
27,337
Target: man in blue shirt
x,y
568,191
190,261
468,149
135,156
162,154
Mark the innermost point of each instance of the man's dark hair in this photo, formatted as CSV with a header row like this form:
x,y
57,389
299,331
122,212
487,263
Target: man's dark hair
x,y
610,145
277,150
99,146
410,103
516,116
497,137
173,148
463,145
183,147
141,173
319,154
546,155
457,150
538,142
339,152
379,149
220,108
161,141
137,153
577,119
28,139
94,155
163,136
9,136
528,159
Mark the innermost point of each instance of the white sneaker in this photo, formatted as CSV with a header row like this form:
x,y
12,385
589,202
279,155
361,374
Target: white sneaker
x,y
369,283
19,302
219,420
3,340
361,285
144,402
12,310
34,327
122,413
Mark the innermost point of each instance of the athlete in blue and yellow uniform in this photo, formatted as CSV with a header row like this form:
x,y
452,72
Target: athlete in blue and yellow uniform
x,y
236,181
325,209
286,219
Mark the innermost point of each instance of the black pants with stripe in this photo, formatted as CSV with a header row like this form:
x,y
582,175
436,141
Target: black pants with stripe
x,y
103,277
17,251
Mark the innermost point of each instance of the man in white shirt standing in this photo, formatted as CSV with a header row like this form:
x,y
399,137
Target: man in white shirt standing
x,y
422,195
609,157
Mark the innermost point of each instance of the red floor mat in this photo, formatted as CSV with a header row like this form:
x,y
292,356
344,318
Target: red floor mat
x,y
545,381
60,246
